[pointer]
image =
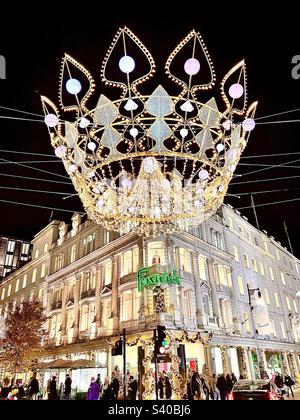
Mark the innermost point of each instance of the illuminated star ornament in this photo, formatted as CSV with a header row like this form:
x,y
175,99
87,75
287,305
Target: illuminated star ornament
x,y
151,163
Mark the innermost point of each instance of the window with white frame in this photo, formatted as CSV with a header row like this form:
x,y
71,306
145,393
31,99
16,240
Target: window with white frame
x,y
277,299
43,270
261,268
295,306
106,312
206,305
37,253
254,264
273,327
185,260
9,258
282,278
246,260
271,273
89,243
241,230
283,331
107,272
9,290
156,253
84,318
25,251
288,303
17,285
266,247
187,297
246,322
73,253
202,267
25,280
130,261
11,246
41,294
106,236
249,235
277,254
59,261
236,253
230,222
241,285
34,273
267,297
46,247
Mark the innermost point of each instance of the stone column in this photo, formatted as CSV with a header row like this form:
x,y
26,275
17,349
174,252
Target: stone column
x,y
148,381
225,360
48,307
285,364
250,360
181,302
115,293
142,308
99,283
243,363
77,292
215,303
175,373
64,312
173,288
236,312
200,315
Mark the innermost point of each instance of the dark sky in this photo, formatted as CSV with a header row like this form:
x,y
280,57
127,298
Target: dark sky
x,y
34,40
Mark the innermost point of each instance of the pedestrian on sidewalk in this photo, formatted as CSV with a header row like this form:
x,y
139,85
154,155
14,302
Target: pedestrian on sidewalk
x,y
33,388
93,391
289,383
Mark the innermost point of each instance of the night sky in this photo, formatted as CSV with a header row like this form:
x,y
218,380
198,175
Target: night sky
x,y
33,43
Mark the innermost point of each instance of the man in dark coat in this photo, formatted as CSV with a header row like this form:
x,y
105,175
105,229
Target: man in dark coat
x,y
288,381
222,387
68,387
33,387
195,386
132,388
164,387
52,395
115,386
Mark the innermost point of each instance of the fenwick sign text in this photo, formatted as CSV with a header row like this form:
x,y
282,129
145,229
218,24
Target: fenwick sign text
x,y
152,276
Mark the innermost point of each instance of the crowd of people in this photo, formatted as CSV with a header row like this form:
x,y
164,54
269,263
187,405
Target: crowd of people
x,y
197,386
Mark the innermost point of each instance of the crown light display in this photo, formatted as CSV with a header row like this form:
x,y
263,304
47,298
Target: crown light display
x,y
151,163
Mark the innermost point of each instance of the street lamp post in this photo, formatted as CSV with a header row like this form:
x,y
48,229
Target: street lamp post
x,y
250,294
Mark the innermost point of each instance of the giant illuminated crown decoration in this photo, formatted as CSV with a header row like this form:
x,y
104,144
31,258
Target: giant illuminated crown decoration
x,y
154,163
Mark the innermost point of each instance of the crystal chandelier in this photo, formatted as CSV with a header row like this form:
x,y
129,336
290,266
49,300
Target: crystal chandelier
x,y
150,164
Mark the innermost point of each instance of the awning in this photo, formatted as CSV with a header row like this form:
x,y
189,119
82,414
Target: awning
x,y
83,363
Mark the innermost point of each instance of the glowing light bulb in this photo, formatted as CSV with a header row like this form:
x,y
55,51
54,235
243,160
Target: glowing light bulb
x,y
192,66
248,124
72,168
220,147
84,122
73,86
203,174
51,120
92,146
133,132
226,125
126,64
60,151
184,132
236,91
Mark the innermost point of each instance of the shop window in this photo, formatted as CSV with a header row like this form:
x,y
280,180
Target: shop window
x,y
185,260
202,267
241,285
107,273
156,253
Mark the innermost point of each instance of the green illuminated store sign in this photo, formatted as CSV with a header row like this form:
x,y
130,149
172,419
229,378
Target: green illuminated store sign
x,y
152,276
